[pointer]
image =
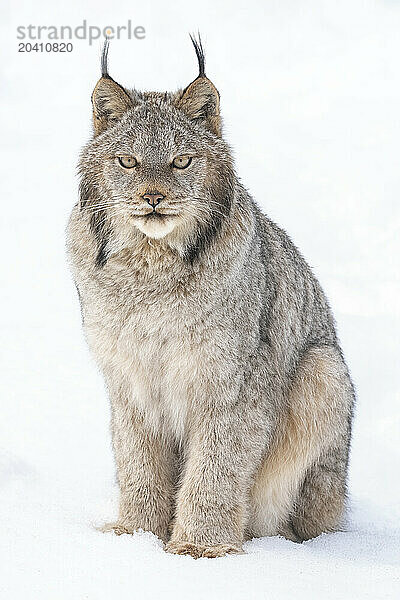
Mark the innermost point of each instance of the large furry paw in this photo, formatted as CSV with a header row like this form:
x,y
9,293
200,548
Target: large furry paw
x,y
118,528
199,551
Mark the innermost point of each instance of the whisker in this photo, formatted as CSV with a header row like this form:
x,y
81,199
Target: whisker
x,y
99,206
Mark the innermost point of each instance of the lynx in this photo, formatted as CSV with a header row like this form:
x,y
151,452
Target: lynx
x,y
231,403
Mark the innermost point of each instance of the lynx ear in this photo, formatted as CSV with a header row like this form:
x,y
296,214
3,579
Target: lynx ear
x,y
109,99
200,100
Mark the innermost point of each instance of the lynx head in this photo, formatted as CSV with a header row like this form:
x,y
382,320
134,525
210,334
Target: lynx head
x,y
158,163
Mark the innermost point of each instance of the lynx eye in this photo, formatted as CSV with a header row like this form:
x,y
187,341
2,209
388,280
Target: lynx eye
x,y
181,162
128,162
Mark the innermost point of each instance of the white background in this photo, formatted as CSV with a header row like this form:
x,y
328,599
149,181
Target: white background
x,y
310,96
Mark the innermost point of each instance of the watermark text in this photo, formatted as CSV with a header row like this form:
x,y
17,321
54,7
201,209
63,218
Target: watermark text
x,y
84,31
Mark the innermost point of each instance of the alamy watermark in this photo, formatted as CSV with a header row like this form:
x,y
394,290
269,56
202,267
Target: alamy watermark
x,y
84,31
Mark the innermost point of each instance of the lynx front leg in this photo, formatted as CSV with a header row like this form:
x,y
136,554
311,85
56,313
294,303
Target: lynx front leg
x,y
224,450
145,472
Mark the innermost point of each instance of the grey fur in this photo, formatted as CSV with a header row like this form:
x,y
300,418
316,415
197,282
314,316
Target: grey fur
x,y
231,401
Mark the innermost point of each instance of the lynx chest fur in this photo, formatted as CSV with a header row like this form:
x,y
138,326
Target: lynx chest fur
x,y
161,324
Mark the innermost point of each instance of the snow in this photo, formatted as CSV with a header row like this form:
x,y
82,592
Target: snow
x,y
310,94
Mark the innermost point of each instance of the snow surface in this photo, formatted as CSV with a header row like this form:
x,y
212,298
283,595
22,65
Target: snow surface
x,y
310,94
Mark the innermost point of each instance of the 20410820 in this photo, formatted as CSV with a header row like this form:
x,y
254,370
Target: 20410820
x,y
48,47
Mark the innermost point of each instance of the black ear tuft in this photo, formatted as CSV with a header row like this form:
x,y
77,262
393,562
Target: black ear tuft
x,y
200,99
104,58
109,99
198,46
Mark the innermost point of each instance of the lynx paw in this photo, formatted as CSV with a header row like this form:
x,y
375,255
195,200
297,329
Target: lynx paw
x,y
118,528
199,551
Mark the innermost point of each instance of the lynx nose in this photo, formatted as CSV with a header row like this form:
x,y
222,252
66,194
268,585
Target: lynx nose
x,y
153,198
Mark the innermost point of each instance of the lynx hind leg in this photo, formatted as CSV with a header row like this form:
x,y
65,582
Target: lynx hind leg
x,y
321,501
318,418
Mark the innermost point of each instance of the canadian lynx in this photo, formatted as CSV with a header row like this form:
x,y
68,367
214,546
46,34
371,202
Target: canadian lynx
x,y
231,401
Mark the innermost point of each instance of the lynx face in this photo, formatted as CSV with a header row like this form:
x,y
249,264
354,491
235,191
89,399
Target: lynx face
x,y
157,161
154,167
